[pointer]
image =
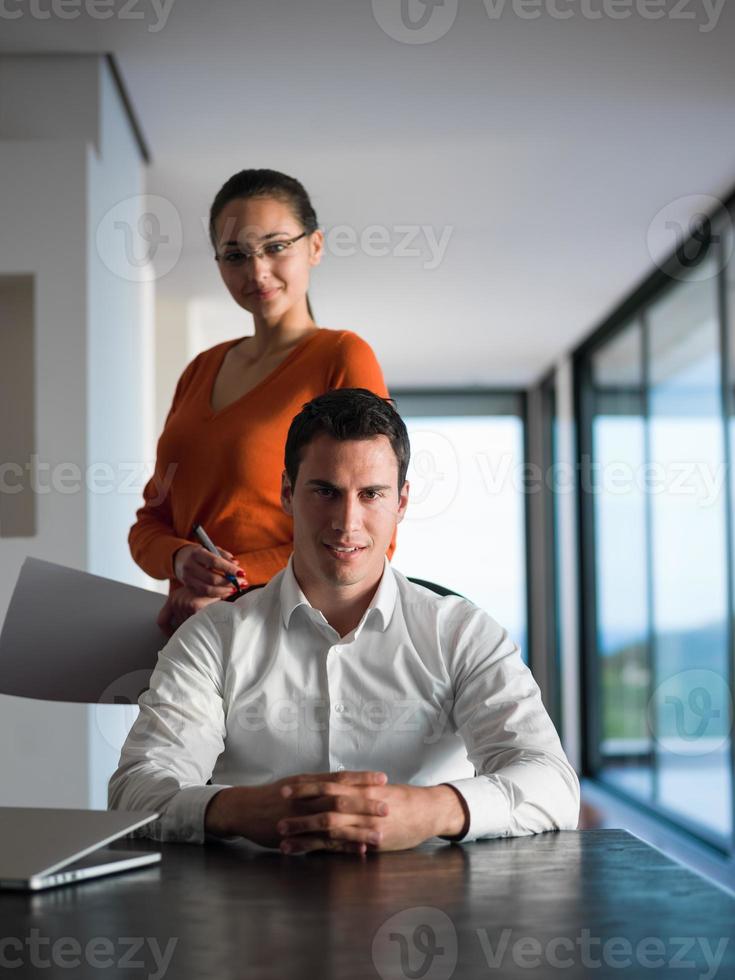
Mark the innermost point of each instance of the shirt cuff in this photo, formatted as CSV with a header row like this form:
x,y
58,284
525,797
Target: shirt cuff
x,y
183,816
487,805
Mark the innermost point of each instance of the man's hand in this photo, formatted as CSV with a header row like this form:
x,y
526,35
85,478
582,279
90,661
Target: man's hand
x,y
256,812
179,606
383,817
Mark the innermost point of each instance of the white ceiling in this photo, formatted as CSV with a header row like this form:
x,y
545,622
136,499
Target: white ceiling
x,y
547,147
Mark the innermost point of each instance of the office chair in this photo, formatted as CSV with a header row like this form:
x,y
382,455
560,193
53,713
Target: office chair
x,y
84,674
439,589
432,586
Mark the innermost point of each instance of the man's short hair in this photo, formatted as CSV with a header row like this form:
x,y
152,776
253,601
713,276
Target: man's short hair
x,y
344,414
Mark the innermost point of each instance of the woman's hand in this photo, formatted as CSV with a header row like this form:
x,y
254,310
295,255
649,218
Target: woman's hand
x,y
204,573
202,576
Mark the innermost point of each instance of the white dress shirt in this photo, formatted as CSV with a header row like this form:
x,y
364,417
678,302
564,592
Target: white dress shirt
x,y
427,689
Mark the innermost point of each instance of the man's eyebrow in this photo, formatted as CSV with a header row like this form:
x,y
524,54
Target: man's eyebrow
x,y
330,486
321,483
264,238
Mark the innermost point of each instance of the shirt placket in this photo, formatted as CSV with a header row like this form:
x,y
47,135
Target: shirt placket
x,y
339,714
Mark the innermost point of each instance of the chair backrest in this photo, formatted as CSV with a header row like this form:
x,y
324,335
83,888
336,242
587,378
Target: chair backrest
x,y
72,636
439,589
46,661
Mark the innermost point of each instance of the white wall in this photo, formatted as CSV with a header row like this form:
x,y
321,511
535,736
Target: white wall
x,y
120,346
43,234
50,97
171,352
119,340
65,156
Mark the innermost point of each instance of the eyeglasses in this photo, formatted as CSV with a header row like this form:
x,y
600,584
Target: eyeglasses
x,y
271,250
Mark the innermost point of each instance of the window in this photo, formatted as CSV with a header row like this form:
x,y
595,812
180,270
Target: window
x,y
620,550
656,537
465,525
690,646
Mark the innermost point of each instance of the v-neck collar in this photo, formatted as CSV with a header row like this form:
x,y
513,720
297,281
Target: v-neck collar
x,y
209,387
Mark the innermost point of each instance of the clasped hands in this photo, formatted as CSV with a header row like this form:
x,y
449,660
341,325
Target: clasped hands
x,y
347,811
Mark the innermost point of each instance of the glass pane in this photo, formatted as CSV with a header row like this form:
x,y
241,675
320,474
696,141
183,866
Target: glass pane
x,y
618,448
690,708
465,525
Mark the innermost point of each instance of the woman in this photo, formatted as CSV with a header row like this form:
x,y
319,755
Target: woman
x,y
220,456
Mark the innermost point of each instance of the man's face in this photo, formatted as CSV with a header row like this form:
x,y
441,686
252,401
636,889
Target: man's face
x,y
345,507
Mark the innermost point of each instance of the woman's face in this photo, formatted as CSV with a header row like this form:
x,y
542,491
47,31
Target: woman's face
x,y
276,281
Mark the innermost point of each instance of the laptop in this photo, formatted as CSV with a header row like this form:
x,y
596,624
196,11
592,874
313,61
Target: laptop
x,y
41,848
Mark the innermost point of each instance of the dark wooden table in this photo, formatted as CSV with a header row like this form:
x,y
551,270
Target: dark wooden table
x,y
597,903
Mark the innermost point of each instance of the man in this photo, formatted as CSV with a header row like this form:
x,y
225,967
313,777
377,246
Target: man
x,y
341,706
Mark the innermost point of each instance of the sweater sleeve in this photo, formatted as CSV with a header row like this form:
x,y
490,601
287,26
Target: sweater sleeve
x,y
356,366
152,539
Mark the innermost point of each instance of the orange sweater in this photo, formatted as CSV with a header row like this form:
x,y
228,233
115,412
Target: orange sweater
x,y
223,469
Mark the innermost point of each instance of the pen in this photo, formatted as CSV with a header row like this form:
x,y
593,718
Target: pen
x,y
205,539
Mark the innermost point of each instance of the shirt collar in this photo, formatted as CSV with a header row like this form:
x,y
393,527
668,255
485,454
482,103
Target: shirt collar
x,y
380,609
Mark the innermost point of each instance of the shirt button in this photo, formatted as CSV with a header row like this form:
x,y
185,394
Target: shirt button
x,y
339,708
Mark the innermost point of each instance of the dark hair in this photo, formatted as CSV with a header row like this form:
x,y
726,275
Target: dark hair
x,y
347,413
265,183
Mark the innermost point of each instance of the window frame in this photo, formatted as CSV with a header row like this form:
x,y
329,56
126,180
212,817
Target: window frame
x,y
635,310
